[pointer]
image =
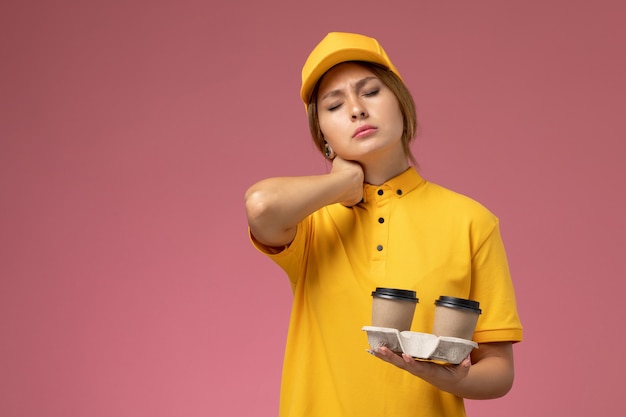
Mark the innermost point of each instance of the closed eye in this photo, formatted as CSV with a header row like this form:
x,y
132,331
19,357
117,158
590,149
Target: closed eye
x,y
371,93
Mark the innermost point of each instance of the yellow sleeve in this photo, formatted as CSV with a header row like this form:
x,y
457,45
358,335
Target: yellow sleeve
x,y
492,286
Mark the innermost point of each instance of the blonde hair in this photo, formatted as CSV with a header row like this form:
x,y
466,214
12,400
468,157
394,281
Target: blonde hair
x,y
399,89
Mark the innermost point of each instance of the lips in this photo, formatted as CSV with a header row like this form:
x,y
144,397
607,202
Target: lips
x,y
363,131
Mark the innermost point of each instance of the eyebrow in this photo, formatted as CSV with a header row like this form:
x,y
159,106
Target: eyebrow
x,y
359,85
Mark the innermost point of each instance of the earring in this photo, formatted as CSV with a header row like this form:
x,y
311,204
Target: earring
x,y
328,151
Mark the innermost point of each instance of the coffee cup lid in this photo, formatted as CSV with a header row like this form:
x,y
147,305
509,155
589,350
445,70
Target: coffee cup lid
x,y
462,303
395,294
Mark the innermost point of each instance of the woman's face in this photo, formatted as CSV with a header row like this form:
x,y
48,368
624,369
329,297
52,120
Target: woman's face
x,y
358,114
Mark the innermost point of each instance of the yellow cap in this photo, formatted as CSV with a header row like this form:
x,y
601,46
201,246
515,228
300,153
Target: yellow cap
x,y
338,47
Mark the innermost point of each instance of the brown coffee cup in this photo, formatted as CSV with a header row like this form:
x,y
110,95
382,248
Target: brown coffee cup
x,y
393,308
455,317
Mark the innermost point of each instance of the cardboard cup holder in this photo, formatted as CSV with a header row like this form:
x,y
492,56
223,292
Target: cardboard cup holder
x,y
423,346
454,323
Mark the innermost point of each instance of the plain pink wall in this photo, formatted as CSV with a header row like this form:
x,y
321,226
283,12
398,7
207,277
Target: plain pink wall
x,y
131,129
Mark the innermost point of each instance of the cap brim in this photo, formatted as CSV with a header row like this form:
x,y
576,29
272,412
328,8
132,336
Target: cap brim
x,y
335,58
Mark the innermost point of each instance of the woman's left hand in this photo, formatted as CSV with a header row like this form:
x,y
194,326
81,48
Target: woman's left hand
x,y
440,375
487,374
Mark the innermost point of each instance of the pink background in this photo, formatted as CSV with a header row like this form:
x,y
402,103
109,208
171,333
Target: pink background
x,y
131,129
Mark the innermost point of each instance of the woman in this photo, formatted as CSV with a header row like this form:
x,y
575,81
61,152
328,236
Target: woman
x,y
373,221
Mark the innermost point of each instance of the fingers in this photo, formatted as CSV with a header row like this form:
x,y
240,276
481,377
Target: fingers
x,y
467,362
403,361
433,372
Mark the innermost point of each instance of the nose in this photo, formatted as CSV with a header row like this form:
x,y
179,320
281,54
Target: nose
x,y
358,111
358,115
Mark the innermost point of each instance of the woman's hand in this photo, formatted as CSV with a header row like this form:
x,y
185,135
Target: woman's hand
x,y
353,192
442,376
275,206
487,374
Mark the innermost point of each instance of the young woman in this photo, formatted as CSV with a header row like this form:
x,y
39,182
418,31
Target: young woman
x,y
373,221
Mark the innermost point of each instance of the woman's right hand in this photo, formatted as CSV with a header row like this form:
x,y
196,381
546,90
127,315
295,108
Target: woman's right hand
x,y
275,206
353,172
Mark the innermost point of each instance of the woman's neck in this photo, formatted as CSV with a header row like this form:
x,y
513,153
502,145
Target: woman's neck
x,y
383,169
